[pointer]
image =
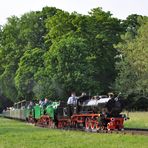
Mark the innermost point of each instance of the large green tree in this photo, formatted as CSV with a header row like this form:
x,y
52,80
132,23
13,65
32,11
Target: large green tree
x,y
103,32
29,64
133,64
9,52
68,67
17,36
100,31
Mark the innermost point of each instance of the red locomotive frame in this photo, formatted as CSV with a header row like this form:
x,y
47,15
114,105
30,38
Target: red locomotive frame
x,y
91,121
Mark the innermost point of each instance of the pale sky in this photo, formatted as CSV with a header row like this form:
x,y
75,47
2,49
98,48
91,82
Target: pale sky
x,y
119,8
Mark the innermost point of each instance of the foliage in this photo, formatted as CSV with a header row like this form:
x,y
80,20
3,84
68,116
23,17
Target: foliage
x,y
68,67
100,32
9,51
104,31
50,53
29,64
132,24
133,66
4,103
18,35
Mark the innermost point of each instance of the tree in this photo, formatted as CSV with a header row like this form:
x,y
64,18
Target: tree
x,y
59,25
8,53
104,31
30,63
131,24
67,66
100,32
17,36
133,66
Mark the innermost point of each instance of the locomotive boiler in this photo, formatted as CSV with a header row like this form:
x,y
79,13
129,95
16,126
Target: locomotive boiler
x,y
100,104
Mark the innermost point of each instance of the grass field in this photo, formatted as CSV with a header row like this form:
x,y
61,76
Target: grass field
x,y
15,134
137,120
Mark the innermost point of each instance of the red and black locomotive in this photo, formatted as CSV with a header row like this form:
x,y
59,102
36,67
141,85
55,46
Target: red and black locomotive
x,y
95,113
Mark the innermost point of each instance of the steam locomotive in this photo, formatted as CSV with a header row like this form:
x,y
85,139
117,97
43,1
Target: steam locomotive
x,y
95,113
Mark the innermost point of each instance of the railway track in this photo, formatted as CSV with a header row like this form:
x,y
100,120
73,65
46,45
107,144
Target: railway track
x,y
138,131
132,131
127,131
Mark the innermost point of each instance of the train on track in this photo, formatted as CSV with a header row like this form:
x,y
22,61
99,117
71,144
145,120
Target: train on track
x,y
97,113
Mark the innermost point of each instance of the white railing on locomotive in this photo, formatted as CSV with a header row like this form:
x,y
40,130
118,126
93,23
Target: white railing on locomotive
x,y
96,101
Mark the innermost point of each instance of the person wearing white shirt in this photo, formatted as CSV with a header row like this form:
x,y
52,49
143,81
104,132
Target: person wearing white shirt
x,y
72,101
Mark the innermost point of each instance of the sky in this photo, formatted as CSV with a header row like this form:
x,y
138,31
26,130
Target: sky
x,y
119,8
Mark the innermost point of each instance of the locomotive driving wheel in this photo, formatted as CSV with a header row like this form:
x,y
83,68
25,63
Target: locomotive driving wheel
x,y
97,126
60,124
87,123
94,124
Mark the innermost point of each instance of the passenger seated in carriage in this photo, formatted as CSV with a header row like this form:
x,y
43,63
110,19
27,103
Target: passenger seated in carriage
x,y
30,105
44,103
41,102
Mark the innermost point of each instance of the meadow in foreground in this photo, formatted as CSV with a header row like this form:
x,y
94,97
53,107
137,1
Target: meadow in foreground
x,y
137,120
16,134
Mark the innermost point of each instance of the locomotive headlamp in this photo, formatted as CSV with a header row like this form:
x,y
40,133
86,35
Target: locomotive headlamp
x,y
112,119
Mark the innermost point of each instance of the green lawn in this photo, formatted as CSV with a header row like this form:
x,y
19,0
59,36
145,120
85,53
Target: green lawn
x,y
137,120
15,134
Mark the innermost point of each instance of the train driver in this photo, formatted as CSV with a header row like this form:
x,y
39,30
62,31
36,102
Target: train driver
x,y
72,100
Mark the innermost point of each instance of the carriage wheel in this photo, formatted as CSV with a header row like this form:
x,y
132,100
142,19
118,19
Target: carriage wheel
x,y
43,121
50,123
31,119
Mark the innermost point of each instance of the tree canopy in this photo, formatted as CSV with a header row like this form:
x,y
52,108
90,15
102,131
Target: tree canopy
x,y
133,66
50,53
